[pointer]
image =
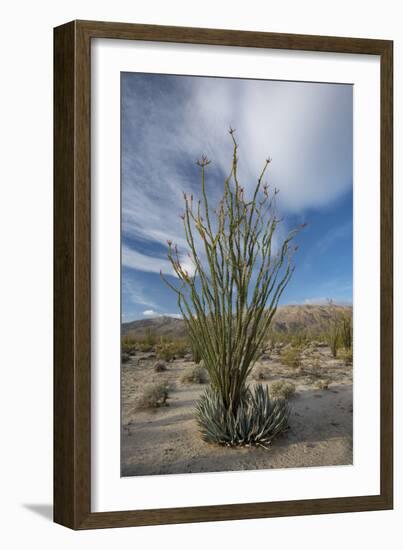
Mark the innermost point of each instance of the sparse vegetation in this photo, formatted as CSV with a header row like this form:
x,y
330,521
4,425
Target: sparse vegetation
x,y
194,375
323,384
150,338
195,352
291,357
346,331
160,366
260,373
154,395
346,355
282,389
340,332
333,339
310,407
299,340
168,351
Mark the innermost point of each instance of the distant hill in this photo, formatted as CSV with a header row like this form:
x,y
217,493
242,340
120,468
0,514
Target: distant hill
x,y
288,319
160,326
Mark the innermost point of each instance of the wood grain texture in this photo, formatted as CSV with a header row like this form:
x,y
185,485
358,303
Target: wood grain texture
x,y
72,274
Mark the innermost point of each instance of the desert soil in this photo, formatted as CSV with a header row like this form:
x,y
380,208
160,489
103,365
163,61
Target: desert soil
x,y
166,440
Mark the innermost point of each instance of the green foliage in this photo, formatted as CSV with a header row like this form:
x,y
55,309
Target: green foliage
x,y
194,375
282,389
299,340
195,352
340,332
153,396
257,420
142,345
333,339
150,338
346,331
291,357
260,373
224,311
128,345
168,351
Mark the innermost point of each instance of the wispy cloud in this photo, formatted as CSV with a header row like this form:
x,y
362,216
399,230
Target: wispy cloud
x,y
339,232
169,121
135,294
143,262
151,313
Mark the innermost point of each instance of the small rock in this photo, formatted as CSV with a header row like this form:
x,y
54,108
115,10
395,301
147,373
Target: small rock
x,y
160,366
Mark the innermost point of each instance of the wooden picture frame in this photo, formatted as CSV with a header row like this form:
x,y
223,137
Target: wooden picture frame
x,y
72,270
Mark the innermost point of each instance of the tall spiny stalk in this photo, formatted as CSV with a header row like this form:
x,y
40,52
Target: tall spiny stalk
x,y
230,299
346,331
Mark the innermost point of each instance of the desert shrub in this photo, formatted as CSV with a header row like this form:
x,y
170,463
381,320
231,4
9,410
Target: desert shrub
x,y
160,366
141,345
259,373
128,348
346,355
180,348
323,384
340,332
150,338
165,352
125,357
128,344
282,389
168,351
153,396
194,375
291,357
346,331
257,420
299,340
229,300
196,355
333,339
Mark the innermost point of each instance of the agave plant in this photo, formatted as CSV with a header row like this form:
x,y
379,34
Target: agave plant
x,y
257,421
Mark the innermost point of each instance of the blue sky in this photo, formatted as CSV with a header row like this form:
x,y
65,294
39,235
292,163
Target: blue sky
x,y
169,121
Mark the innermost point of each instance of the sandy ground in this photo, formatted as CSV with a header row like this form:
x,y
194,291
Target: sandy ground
x,y
166,440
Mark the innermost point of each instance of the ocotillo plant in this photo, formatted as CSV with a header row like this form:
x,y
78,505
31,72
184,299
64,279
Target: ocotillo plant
x,y
333,338
239,275
346,331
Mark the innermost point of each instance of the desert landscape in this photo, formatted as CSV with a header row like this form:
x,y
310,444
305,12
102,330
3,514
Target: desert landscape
x,y
303,361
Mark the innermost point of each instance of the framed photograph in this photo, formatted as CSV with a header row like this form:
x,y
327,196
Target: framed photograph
x,y
223,314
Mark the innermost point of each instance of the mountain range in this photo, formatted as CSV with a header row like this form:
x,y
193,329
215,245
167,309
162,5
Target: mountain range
x,y
288,319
